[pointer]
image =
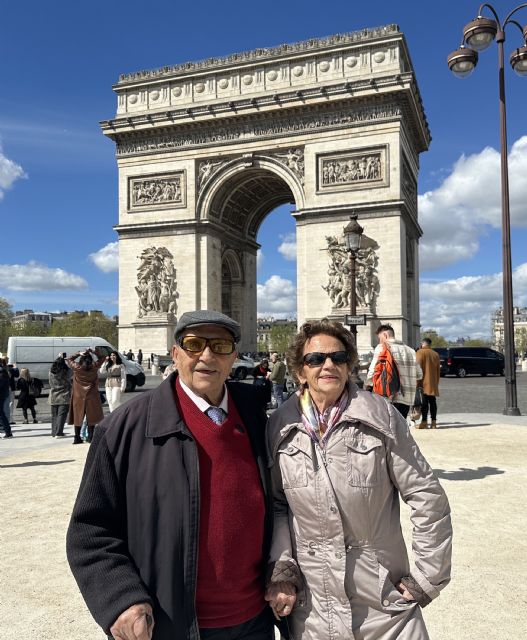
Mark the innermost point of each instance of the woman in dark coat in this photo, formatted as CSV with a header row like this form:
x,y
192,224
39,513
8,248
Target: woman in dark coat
x,y
85,399
26,399
260,379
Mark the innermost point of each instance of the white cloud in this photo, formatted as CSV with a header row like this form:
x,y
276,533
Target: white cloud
x,y
260,257
34,276
463,306
277,297
9,172
288,246
456,214
107,258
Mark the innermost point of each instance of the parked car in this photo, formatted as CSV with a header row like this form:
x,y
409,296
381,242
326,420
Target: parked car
x,y
462,361
242,367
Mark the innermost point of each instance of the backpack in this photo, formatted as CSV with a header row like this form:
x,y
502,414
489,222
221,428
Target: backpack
x,y
386,379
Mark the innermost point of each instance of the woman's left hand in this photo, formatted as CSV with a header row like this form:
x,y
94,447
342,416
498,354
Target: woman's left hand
x,y
281,597
404,591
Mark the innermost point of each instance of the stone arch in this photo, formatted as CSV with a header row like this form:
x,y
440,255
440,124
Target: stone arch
x,y
241,192
232,281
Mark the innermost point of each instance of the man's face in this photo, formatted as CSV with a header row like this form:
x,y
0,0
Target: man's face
x,y
205,373
274,357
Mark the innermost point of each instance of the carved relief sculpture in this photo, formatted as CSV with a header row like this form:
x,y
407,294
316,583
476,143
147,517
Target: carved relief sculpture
x,y
352,169
294,159
206,169
339,271
156,283
157,191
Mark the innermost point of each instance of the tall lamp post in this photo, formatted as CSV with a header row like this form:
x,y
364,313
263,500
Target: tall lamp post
x,y
353,235
477,36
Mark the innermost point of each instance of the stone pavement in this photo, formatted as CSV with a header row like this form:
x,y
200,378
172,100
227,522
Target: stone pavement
x,y
480,459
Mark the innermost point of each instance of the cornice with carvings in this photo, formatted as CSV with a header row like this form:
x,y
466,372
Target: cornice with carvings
x,y
262,54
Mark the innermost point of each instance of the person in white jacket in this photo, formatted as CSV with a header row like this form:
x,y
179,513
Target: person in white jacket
x,y
115,380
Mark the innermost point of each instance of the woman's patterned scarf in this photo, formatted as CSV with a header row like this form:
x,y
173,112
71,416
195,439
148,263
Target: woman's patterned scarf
x,y
318,424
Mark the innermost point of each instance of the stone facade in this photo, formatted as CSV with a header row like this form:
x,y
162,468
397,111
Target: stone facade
x,y
206,150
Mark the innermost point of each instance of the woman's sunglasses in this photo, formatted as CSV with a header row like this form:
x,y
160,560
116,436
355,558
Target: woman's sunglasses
x,y
196,344
316,358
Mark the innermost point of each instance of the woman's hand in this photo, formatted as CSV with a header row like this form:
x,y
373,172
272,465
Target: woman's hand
x,y
281,597
404,591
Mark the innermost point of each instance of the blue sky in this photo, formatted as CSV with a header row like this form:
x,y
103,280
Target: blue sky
x,y
58,176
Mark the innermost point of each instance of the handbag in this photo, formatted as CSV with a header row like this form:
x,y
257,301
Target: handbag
x,y
415,411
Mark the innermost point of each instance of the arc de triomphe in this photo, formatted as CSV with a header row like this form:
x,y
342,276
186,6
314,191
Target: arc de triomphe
x,y
207,149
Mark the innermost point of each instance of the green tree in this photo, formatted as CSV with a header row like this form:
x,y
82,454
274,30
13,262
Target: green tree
x,y
282,336
476,342
437,340
80,324
28,329
6,313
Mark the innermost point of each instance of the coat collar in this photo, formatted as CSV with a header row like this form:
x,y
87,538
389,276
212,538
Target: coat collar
x,y
163,417
364,407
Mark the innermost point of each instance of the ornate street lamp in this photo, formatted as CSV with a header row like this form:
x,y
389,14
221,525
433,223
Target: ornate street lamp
x,y
353,236
477,36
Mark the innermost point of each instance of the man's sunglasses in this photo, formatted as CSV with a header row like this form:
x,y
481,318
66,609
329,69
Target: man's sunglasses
x,y
316,358
196,344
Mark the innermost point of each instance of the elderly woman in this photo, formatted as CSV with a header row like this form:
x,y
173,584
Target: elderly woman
x,y
341,457
85,398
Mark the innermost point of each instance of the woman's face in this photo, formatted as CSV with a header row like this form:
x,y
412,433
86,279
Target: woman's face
x,y
113,357
327,380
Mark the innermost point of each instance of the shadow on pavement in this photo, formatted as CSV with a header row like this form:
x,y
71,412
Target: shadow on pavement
x,y
461,425
464,473
35,463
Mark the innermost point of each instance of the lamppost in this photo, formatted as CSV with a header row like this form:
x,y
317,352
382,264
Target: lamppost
x,y
478,35
353,235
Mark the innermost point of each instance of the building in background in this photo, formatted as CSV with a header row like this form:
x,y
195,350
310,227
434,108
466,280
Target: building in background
x,y
274,335
519,318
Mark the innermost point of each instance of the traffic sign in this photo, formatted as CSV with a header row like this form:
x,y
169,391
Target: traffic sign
x,y
355,320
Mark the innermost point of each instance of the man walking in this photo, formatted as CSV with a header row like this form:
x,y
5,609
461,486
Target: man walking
x,y
430,363
277,377
405,359
174,476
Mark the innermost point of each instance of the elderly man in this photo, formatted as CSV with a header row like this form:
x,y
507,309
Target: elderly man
x,y
171,529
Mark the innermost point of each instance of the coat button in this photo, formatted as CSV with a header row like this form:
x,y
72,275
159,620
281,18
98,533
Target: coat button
x,y
385,603
290,449
338,555
333,509
363,447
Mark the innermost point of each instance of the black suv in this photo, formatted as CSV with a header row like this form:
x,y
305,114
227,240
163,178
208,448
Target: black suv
x,y
461,361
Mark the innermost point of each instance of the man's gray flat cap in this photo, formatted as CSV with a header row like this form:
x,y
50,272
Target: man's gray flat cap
x,y
196,318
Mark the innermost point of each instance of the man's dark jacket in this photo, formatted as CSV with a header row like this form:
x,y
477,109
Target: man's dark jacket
x,y
133,535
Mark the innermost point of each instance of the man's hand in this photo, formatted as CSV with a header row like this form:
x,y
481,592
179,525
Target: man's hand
x,y
281,597
404,591
136,623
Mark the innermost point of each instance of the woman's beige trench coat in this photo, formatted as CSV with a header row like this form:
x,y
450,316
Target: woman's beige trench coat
x,y
337,521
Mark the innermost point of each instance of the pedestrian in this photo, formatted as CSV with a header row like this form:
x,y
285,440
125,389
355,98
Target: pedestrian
x,y
408,369
115,380
260,379
430,364
139,357
4,394
342,459
130,355
27,396
277,378
14,374
60,383
178,474
85,398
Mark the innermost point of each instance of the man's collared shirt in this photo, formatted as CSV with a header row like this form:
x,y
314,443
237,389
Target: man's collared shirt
x,y
201,403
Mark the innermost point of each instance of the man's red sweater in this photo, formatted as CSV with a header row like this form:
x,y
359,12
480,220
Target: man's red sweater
x,y
230,585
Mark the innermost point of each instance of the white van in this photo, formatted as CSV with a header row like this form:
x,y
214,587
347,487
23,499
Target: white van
x,y
38,353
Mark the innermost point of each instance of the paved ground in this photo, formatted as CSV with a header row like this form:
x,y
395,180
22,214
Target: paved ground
x,y
480,459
